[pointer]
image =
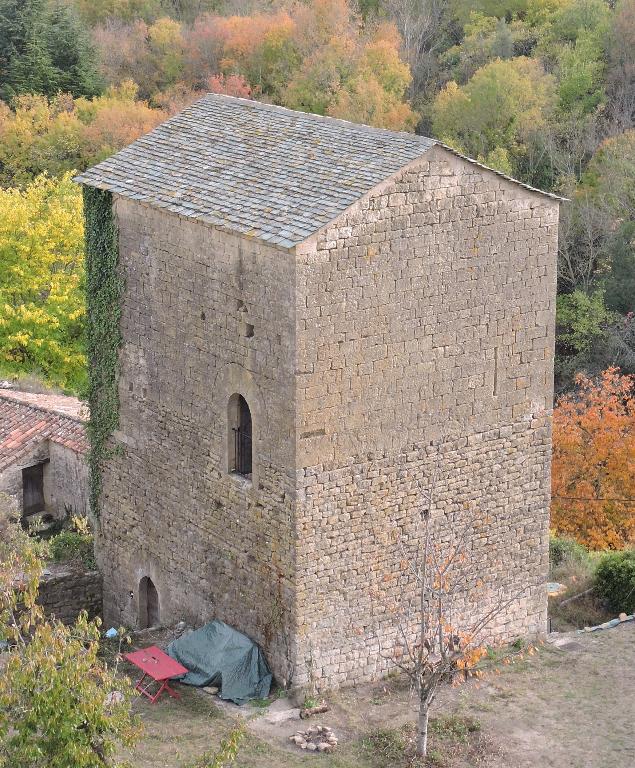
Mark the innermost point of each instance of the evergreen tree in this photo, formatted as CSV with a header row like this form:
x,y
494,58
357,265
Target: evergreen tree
x,y
72,54
503,45
25,64
44,49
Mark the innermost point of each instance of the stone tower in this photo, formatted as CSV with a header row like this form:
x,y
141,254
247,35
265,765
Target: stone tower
x,y
308,307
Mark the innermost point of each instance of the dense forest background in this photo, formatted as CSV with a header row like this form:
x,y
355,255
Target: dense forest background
x,y
543,90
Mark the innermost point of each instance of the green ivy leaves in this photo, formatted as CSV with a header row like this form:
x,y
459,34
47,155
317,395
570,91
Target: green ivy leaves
x,y
104,289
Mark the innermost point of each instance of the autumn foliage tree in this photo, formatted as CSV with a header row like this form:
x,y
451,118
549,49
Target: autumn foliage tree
x,y
492,116
434,644
42,305
61,704
593,469
315,56
230,85
375,92
42,135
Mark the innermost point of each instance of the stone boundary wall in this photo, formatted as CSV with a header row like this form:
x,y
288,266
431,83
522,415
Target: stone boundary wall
x,y
66,591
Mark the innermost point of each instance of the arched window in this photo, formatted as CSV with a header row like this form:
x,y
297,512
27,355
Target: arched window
x,y
240,436
148,603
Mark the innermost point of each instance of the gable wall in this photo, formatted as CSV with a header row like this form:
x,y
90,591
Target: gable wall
x,y
66,481
425,315
213,544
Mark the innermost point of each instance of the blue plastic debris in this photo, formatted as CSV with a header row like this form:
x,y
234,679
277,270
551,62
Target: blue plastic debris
x,y
112,632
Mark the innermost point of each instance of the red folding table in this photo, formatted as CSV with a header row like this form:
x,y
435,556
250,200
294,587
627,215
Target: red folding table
x,y
158,666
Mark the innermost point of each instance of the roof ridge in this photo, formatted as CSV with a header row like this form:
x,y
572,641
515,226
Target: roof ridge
x,y
260,171
264,105
49,411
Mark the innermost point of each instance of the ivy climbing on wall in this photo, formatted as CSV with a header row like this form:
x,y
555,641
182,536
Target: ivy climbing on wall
x,y
104,288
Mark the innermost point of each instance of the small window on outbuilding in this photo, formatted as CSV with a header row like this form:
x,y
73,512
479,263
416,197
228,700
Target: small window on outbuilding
x,y
240,436
32,490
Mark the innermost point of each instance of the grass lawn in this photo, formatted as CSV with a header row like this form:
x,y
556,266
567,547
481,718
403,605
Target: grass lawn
x,y
562,707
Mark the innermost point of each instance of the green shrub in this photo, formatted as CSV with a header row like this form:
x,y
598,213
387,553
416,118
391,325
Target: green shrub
x,y
615,580
454,727
562,550
72,545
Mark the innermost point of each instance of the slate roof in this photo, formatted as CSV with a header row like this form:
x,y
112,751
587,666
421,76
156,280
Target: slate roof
x,y
269,172
27,419
264,171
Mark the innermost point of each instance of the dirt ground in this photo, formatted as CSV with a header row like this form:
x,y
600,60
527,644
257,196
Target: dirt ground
x,y
571,706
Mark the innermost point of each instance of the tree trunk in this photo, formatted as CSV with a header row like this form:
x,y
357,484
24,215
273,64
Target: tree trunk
x,y
422,734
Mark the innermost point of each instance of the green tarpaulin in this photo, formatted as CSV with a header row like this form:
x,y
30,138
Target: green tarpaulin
x,y
216,654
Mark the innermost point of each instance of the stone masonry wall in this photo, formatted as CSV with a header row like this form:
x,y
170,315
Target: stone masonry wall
x,y
11,476
66,481
423,316
213,543
65,592
425,333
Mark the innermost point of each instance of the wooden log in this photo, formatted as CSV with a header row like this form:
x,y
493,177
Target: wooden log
x,y
575,597
309,711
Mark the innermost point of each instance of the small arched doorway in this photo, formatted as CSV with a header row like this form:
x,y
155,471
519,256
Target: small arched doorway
x,y
148,603
240,436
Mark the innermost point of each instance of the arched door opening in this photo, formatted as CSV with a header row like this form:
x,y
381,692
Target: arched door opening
x,y
148,604
240,436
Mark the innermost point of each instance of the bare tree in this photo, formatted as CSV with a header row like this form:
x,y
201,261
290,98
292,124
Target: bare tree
x,y
584,229
434,641
621,69
418,22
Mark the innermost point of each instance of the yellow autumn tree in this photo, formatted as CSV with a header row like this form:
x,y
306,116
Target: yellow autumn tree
x,y
41,282
593,468
495,111
42,135
376,93
346,70
165,40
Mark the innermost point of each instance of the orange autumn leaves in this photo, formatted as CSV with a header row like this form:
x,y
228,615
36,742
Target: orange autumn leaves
x,y
316,57
593,468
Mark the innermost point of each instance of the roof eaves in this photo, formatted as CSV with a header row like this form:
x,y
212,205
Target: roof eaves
x,y
43,409
267,238
503,175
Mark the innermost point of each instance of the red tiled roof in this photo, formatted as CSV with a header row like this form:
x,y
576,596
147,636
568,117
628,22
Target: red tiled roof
x,y
64,404
27,419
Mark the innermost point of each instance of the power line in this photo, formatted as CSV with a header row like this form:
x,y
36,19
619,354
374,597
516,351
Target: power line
x,y
581,498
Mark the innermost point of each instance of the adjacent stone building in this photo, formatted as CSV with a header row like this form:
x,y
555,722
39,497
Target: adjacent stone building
x,y
43,448
311,308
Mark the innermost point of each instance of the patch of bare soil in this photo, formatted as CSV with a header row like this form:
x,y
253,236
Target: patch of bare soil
x,y
568,707
564,707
